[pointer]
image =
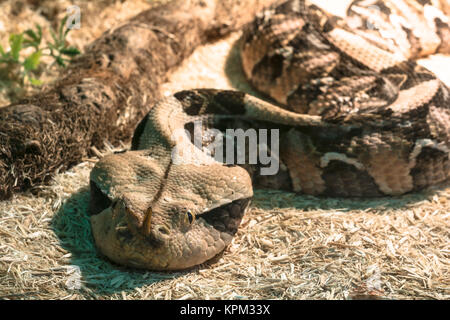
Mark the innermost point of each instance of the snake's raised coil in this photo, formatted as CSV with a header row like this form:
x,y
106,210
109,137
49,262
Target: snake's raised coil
x,y
356,116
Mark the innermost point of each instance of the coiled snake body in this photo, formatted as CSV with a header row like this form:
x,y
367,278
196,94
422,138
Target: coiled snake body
x,y
356,116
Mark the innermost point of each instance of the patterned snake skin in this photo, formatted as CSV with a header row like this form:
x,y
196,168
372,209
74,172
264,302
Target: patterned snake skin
x,y
356,116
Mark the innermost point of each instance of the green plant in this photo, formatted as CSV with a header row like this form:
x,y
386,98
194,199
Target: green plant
x,y
17,73
59,49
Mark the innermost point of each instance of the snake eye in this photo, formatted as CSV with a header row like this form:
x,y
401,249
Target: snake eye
x,y
190,216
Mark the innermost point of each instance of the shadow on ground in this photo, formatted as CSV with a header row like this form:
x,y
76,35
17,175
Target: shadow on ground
x,y
270,199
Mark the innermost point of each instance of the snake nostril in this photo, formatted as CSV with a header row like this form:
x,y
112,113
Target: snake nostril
x,y
164,230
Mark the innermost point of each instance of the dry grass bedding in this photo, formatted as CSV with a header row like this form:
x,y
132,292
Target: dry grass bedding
x,y
288,246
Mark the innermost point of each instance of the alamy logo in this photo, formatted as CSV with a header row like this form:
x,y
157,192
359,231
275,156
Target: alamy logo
x,y
74,280
233,142
374,281
73,17
376,12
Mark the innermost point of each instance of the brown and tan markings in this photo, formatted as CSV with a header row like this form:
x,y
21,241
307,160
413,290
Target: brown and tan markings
x,y
356,117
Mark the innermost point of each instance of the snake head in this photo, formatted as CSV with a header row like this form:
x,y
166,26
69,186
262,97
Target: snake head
x,y
149,213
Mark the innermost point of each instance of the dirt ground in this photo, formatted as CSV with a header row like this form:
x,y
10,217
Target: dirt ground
x,y
288,246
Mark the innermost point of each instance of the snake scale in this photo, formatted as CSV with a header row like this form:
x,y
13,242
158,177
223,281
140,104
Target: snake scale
x,y
354,114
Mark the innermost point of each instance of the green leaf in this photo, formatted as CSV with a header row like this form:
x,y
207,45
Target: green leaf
x,y
2,52
61,28
15,41
34,39
55,39
39,29
35,82
32,35
70,51
32,61
66,32
28,43
60,61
